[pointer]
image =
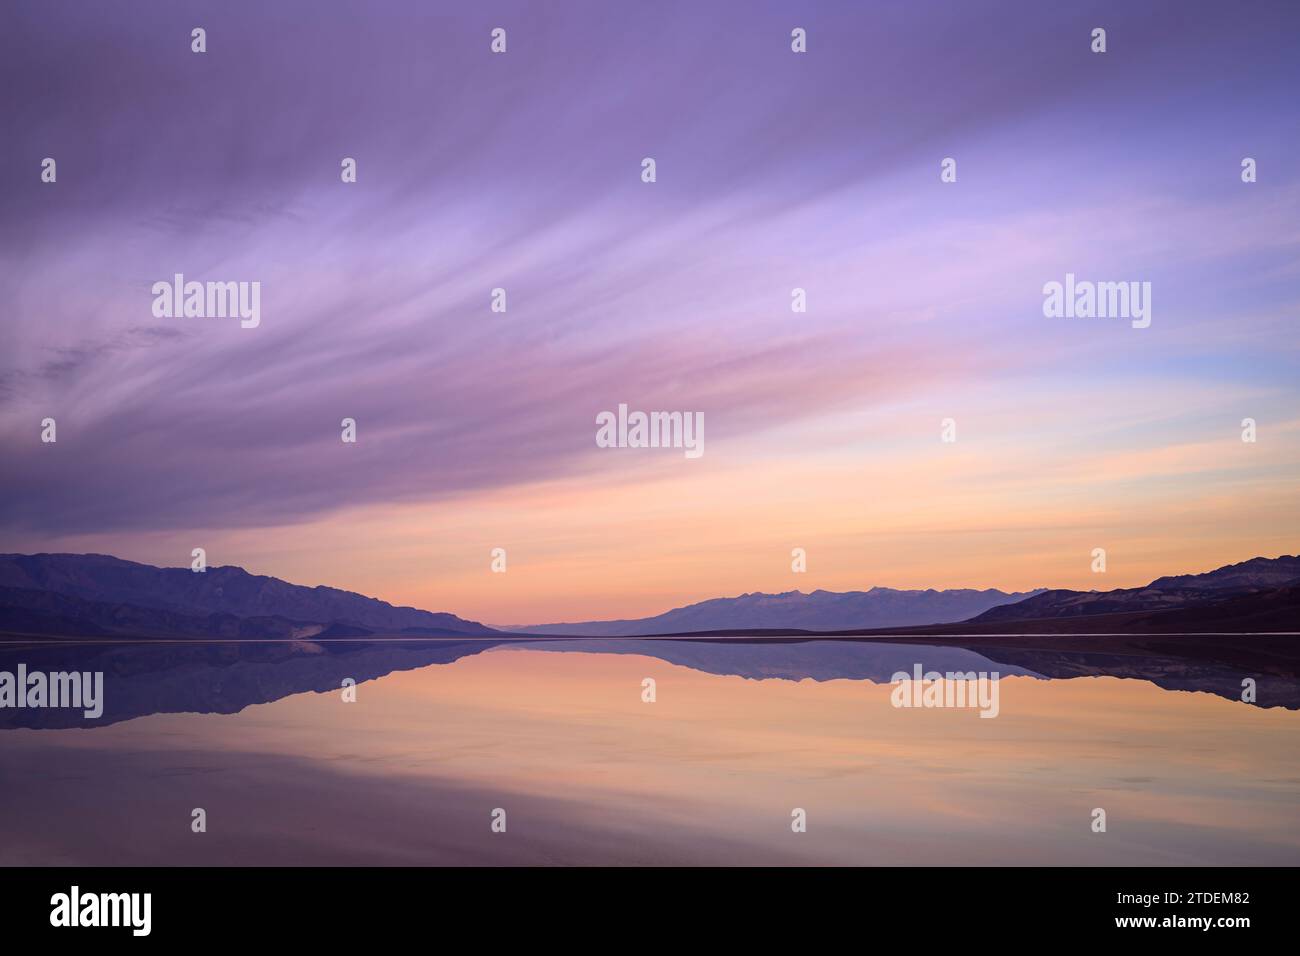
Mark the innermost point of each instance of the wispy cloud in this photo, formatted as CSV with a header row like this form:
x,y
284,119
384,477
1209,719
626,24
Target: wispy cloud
x,y
521,172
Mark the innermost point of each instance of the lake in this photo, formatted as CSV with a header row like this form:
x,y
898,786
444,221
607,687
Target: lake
x,y
555,739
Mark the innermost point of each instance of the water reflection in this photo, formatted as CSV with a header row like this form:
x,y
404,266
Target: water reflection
x,y
226,677
556,733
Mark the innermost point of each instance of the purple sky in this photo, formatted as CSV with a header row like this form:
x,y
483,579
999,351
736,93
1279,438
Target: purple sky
x,y
775,170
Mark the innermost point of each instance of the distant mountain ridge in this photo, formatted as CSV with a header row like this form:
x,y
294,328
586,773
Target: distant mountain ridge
x,y
100,594
817,611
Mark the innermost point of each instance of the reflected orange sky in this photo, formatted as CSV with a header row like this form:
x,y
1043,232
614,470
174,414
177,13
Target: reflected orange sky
x,y
1184,777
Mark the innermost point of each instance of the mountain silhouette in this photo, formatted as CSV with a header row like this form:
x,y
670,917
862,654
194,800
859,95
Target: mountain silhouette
x,y
45,596
98,595
1261,588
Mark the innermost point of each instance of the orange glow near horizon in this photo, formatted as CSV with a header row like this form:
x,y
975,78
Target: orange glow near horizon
x,y
626,543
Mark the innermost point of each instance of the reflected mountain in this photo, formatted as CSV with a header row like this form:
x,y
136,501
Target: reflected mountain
x,y
226,677
216,677
1211,664
796,659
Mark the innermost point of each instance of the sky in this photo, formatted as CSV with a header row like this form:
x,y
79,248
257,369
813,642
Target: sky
x,y
775,170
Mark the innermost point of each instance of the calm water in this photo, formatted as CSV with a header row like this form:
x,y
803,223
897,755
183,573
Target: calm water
x,y
740,734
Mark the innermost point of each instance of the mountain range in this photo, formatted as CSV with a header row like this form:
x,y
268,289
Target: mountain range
x,y
44,596
794,610
1262,594
95,595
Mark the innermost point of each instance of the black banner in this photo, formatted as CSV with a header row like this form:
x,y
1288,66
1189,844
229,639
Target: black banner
x,y
363,904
